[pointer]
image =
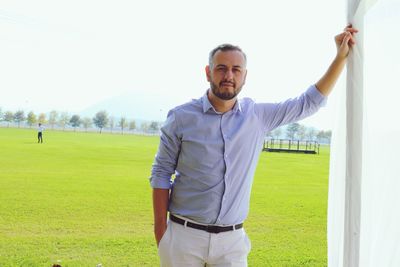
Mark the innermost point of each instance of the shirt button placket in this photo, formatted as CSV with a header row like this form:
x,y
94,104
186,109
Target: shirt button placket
x,y
225,156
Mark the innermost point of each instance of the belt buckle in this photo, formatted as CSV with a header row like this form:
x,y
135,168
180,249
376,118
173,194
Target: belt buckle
x,y
213,229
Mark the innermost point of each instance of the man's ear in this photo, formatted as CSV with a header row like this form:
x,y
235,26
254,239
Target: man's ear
x,y
245,76
208,73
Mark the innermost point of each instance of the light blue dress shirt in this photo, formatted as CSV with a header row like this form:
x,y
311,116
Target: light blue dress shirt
x,y
214,155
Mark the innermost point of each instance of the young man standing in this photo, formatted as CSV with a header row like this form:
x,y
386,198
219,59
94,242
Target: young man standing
x,y
212,145
40,133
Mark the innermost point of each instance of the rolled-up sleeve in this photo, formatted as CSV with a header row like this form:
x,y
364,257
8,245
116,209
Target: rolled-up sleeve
x,y
273,115
168,151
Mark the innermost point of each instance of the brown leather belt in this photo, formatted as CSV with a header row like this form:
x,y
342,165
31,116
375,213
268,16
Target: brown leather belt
x,y
215,229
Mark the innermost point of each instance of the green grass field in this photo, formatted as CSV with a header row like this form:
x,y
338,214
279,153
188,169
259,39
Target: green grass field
x,y
85,199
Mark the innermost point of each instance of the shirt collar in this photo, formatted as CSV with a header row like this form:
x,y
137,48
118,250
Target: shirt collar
x,y
207,105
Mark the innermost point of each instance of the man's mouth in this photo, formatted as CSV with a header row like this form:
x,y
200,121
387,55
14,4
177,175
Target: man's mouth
x,y
227,84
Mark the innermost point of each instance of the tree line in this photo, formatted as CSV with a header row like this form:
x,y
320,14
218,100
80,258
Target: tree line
x,y
100,120
297,131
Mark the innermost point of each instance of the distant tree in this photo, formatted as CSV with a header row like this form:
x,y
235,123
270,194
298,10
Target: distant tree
x,y
320,134
123,123
292,129
87,123
19,116
328,136
311,133
1,115
132,125
53,118
31,118
301,132
63,120
111,123
276,133
8,117
144,126
42,118
324,136
75,121
100,119
154,126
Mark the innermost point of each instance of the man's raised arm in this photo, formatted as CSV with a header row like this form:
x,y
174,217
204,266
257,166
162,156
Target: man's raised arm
x,y
344,42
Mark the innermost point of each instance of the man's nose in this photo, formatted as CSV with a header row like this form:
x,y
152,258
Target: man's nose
x,y
228,75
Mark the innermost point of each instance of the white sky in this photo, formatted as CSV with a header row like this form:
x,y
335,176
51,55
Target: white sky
x,y
68,55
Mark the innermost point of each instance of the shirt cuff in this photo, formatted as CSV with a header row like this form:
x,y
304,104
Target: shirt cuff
x,y
160,182
316,96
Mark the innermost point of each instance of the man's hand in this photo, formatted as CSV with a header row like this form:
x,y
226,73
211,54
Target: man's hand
x,y
345,41
159,231
160,208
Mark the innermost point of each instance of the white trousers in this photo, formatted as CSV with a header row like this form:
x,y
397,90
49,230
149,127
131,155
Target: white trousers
x,y
183,246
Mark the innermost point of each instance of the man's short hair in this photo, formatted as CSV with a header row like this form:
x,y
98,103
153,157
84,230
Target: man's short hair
x,y
224,48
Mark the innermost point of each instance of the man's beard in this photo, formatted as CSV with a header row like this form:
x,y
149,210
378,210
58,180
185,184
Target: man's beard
x,y
225,95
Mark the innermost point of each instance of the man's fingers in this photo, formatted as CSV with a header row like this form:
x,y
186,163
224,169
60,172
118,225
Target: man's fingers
x,y
342,36
348,39
351,39
350,30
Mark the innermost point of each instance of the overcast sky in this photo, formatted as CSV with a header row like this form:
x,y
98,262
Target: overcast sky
x,y
68,55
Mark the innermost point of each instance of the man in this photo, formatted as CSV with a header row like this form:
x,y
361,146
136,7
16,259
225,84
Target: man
x,y
212,145
40,133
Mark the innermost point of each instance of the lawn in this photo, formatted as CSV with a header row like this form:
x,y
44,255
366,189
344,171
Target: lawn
x,y
84,199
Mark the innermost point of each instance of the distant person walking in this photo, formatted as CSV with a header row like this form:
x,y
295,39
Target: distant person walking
x,y
40,133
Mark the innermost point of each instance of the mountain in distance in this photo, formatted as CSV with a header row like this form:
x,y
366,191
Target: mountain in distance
x,y
141,106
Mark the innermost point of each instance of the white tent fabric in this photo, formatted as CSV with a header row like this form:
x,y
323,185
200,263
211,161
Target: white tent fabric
x,y
364,183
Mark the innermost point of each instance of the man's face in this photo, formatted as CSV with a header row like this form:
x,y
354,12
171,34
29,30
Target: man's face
x,y
227,75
